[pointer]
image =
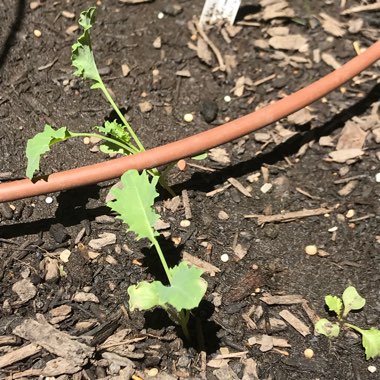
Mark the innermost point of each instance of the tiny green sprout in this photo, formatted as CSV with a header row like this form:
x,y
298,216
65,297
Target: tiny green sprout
x,y
351,300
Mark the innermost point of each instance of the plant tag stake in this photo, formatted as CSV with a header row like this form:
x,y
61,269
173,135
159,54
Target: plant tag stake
x,y
215,10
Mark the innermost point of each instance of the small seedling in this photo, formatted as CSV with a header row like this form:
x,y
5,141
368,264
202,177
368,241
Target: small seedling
x,y
351,300
134,203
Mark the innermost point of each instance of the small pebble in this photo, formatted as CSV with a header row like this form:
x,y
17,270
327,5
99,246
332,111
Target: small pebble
x,y
86,140
153,372
188,117
372,369
160,16
185,223
224,257
333,229
377,177
222,215
266,187
49,200
37,33
227,98
308,353
350,213
311,250
209,110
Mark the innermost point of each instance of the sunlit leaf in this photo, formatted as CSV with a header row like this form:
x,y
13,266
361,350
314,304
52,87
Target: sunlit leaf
x,y
370,341
134,203
40,144
352,300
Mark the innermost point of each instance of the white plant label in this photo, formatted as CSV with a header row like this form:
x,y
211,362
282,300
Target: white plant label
x,y
215,10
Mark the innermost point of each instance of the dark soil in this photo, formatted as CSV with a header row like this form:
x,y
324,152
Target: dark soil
x,y
38,88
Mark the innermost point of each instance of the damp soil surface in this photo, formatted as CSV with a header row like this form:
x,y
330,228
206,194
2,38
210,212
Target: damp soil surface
x,y
49,268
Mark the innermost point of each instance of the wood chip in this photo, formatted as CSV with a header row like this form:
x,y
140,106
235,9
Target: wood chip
x,y
186,204
41,333
219,155
218,190
289,299
19,354
235,183
250,370
216,51
183,73
267,342
207,267
330,60
288,216
25,290
295,322
362,8
278,9
290,42
313,316
332,25
300,117
85,297
351,137
59,366
343,155
348,188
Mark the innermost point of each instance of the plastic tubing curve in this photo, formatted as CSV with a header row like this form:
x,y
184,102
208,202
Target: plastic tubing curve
x,y
195,144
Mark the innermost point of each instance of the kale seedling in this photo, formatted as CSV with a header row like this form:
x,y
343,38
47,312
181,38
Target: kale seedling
x,y
351,300
134,203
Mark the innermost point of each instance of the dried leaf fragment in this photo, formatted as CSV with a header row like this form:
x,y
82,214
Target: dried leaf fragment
x,y
25,290
290,42
344,155
352,137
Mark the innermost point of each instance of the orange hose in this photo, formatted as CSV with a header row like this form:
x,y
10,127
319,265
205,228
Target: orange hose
x,y
192,145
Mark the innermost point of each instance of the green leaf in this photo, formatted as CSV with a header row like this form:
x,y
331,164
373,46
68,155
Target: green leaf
x,y
187,287
370,341
134,203
334,304
327,328
144,295
116,130
40,144
82,57
185,292
352,300
200,157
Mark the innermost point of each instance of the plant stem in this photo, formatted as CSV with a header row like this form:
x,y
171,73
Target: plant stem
x,y
162,258
129,148
122,118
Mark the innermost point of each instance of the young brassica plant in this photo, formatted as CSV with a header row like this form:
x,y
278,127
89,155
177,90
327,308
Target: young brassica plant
x,y
134,204
351,300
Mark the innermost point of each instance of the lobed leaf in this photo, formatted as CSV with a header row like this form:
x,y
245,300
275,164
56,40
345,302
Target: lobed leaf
x,y
187,287
40,144
370,341
185,292
334,304
134,202
82,56
327,328
352,300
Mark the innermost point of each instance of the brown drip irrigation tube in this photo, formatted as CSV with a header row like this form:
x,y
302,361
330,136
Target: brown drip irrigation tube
x,y
192,145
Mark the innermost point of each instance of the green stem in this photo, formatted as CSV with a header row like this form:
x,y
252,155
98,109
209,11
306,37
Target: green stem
x,y
121,116
359,330
162,258
129,148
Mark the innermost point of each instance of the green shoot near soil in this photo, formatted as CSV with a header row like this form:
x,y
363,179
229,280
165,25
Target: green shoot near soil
x,y
134,203
351,300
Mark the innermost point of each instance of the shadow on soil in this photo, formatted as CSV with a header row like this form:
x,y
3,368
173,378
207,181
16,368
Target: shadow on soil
x,y
14,28
207,182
